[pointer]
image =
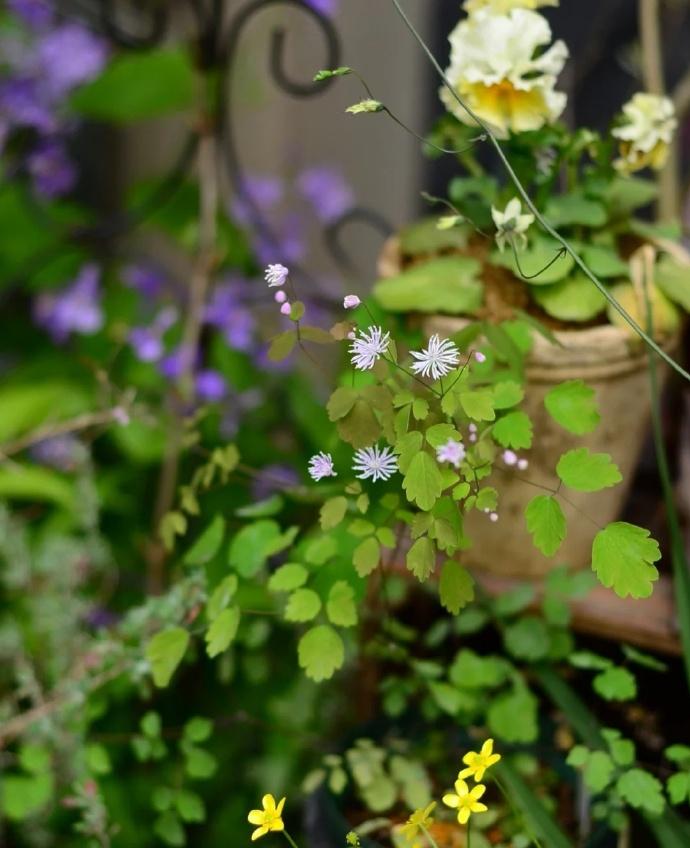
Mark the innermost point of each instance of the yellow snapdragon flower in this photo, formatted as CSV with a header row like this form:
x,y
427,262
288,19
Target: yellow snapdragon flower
x,y
478,762
503,68
269,819
645,133
466,800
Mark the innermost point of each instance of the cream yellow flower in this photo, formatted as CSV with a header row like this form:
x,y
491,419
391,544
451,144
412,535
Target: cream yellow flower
x,y
478,763
269,819
649,122
504,70
511,224
502,6
419,820
465,800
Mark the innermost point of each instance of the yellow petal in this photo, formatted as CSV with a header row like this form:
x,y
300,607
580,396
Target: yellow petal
x,y
256,817
487,748
468,759
258,833
468,772
278,824
478,791
279,808
461,788
451,800
479,808
269,803
463,815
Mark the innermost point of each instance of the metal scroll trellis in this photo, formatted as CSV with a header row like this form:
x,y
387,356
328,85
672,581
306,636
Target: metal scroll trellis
x,y
217,32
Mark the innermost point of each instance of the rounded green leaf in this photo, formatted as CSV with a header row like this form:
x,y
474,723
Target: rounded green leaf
x,y
321,652
574,299
587,472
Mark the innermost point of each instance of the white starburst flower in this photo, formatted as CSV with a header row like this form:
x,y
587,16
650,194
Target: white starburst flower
x,y
646,131
276,275
452,451
375,464
320,466
504,67
511,224
438,359
366,348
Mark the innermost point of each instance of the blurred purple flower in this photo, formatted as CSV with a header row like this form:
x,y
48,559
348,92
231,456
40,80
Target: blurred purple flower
x,y
147,342
101,618
146,279
52,172
288,246
210,386
325,188
37,14
70,56
272,479
61,452
75,309
326,7
22,105
258,190
228,312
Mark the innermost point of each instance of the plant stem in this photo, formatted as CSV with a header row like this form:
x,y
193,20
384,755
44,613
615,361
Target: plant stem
x,y
469,833
515,811
429,837
290,839
522,191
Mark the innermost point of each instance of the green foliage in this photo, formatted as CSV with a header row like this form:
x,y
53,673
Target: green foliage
x,y
456,587
222,631
546,523
623,558
514,430
321,652
165,652
573,405
423,482
587,472
450,285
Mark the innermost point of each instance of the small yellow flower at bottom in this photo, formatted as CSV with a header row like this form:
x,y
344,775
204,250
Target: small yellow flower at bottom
x,y
465,800
269,819
419,820
478,763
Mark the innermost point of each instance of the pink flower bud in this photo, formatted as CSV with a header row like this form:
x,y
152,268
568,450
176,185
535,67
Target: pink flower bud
x,y
280,296
351,301
479,356
285,309
523,464
494,517
510,457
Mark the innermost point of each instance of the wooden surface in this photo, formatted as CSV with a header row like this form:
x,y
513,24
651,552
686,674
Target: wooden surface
x,y
650,623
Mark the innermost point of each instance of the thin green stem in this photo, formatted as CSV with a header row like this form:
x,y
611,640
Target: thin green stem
x,y
561,253
469,833
514,810
290,839
429,837
522,191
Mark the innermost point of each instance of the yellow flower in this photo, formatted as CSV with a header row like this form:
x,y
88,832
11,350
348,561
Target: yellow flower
x,y
269,819
465,800
419,820
502,67
502,6
511,225
647,128
478,763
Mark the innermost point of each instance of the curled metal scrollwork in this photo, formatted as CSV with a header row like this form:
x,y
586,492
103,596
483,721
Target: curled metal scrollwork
x,y
158,15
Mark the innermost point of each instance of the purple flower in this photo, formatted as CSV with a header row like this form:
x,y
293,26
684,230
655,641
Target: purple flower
x,y
75,309
227,311
70,56
147,342
210,386
273,478
37,14
146,279
325,7
260,191
325,188
320,466
22,105
288,242
452,451
52,172
61,452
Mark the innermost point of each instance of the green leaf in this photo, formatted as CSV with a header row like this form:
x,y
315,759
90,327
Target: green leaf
x,y
139,86
587,472
623,556
199,763
208,543
678,787
222,595
514,601
98,760
423,483
23,795
471,671
190,806
341,402
567,210
340,606
615,684
642,791
536,257
674,281
282,346
336,72
360,426
303,605
456,587
573,405
321,652
514,430
320,550
425,237
512,716
447,697
449,284
253,545
507,393
367,556
598,771
645,660
288,577
34,483
198,729
164,653
573,299
169,828
332,512
222,631
604,262
625,194
527,639
478,405
421,558
546,523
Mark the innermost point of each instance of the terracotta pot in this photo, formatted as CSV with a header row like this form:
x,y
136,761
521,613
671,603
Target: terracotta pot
x,y
614,364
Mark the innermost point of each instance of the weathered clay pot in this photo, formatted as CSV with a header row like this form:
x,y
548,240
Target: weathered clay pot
x,y
614,364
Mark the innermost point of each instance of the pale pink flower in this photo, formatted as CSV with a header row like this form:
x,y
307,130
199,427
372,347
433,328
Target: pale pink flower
x,y
452,451
276,275
351,301
366,349
375,464
320,466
